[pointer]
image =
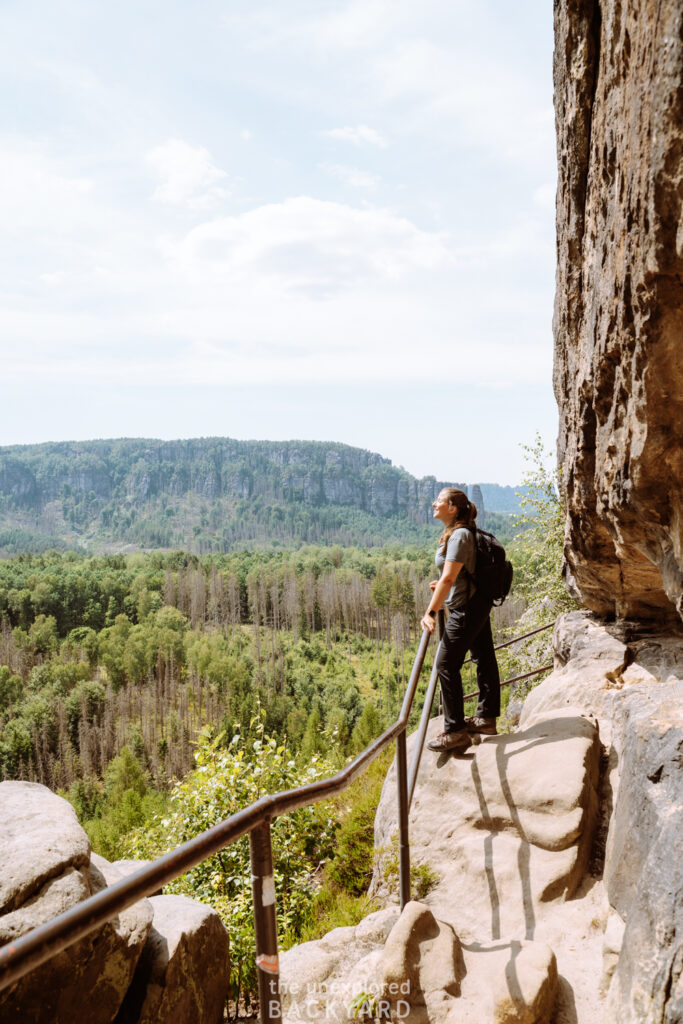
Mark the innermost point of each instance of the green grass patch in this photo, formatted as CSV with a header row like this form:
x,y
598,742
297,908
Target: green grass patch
x,y
332,908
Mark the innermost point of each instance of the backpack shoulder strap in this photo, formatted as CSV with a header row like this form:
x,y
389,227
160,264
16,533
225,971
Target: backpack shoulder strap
x,y
471,582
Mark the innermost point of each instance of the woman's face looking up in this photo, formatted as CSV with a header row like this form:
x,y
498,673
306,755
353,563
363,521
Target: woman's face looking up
x,y
443,509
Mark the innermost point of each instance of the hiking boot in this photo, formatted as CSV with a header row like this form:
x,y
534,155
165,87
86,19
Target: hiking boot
x,y
485,725
459,740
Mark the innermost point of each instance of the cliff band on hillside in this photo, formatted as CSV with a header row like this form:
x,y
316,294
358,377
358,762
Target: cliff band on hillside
x,y
214,494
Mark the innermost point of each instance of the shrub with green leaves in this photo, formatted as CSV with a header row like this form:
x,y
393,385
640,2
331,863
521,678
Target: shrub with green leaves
x,y
227,778
109,811
537,552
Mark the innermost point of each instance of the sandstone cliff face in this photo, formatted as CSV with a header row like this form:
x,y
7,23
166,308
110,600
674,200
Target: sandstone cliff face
x,y
618,322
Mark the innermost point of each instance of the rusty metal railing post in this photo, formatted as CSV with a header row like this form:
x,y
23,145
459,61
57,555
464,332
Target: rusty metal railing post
x,y
403,837
402,771
265,924
441,619
418,746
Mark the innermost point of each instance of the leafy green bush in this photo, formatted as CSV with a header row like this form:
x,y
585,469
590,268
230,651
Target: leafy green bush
x,y
331,908
224,780
351,867
341,898
422,876
11,688
537,553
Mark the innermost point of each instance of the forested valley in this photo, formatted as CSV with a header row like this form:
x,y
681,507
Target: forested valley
x,y
143,650
161,691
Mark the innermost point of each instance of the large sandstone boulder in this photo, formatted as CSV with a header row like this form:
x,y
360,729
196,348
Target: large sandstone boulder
x,y
45,870
131,867
318,979
525,992
419,973
596,664
183,975
40,839
619,301
422,959
505,828
644,866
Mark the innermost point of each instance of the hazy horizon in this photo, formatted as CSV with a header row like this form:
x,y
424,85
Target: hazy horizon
x,y
333,222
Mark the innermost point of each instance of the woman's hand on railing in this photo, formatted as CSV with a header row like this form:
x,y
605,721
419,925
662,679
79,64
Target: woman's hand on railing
x,y
428,622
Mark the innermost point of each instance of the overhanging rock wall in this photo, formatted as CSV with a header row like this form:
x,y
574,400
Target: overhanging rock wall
x,y
618,322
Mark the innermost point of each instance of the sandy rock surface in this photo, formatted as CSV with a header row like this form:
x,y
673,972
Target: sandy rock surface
x,y
321,978
130,867
40,838
420,973
644,864
527,863
506,827
422,956
631,678
507,830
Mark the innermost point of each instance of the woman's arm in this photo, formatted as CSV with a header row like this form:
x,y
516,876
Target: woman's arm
x,y
441,592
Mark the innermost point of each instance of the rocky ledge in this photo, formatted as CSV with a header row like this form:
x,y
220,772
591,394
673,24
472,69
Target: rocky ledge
x,y
630,677
506,831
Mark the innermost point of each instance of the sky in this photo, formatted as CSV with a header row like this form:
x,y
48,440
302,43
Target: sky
x,y
316,219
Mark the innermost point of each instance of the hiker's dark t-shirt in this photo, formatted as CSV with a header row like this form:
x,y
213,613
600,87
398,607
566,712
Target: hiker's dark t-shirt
x,y
461,548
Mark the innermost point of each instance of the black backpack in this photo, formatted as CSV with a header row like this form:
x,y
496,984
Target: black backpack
x,y
493,572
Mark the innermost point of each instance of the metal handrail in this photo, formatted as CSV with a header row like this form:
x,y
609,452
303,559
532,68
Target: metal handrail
x,y
526,675
515,679
523,636
23,955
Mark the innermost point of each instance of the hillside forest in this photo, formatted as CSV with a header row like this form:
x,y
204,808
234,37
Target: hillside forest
x,y
216,495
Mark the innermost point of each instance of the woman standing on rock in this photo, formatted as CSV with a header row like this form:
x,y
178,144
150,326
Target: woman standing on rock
x,y
468,627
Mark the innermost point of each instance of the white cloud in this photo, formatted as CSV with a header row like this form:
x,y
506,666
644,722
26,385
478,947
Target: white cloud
x,y
441,66
306,244
355,25
360,24
298,291
186,174
37,189
358,136
352,176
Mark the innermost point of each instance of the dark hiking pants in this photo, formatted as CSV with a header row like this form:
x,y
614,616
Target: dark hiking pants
x,y
468,629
